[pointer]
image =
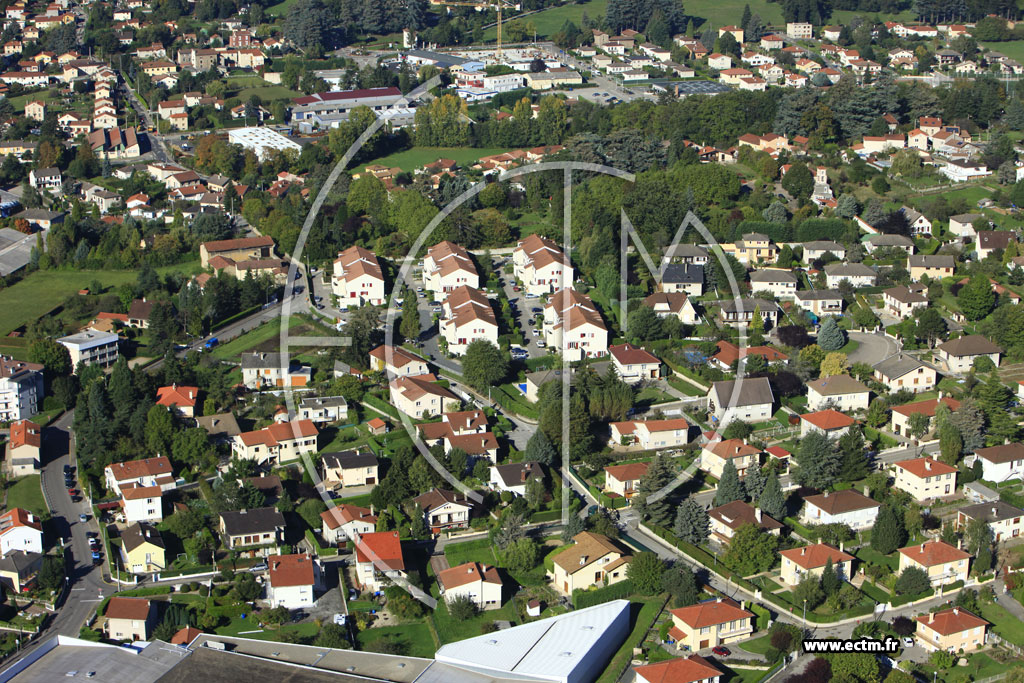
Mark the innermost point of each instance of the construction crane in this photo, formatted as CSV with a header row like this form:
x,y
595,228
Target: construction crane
x,y
500,4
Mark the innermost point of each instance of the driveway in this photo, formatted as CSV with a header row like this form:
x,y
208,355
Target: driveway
x,y
873,348
523,310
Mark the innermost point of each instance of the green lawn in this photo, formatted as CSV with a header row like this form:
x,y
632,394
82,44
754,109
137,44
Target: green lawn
x,y
20,101
43,290
267,93
1004,624
1014,49
280,9
867,554
267,335
478,550
757,646
417,157
874,592
450,629
550,21
27,494
420,640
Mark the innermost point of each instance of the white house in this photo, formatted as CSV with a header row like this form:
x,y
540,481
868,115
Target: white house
x,y
847,507
633,364
292,580
447,266
513,476
357,278
467,316
344,522
573,326
480,583
1000,463
960,354
858,274
142,503
750,401
541,266
149,472
838,391
780,283
20,530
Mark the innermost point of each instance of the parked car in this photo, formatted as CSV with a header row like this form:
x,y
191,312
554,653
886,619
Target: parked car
x,y
541,344
83,518
339,619
908,641
721,651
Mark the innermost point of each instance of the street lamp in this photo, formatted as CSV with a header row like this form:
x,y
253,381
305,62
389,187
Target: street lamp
x,y
805,611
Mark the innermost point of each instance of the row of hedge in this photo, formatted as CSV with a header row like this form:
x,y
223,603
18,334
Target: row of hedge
x,y
589,598
320,550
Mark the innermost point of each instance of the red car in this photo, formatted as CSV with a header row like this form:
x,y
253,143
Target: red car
x,y
72,492
721,651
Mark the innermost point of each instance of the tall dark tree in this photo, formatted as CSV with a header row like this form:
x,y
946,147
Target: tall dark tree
x,y
772,501
658,475
888,534
729,486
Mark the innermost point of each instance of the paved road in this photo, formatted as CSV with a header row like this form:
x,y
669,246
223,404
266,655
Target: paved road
x,y
87,584
873,348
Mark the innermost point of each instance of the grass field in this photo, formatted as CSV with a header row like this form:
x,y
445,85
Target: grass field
x,y
550,21
417,157
418,636
20,101
26,493
1014,49
1004,623
266,337
280,9
43,290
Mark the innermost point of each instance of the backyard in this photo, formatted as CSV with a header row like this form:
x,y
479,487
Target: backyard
x,y
27,494
417,157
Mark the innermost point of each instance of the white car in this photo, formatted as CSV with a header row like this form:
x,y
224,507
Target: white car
x,y
339,619
541,344
908,641
535,332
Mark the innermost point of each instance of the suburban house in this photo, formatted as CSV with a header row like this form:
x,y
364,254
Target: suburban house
x,y
323,409
935,266
962,225
466,429
753,247
677,304
344,521
906,372
142,503
278,443
750,400
448,266
951,630
541,266
848,507
18,570
857,274
21,389
901,414
20,530
779,283
420,397
256,527
129,618
829,422
819,248
91,347
479,583
633,364
989,241
357,278
467,316
1002,519
181,399
573,326
740,313
925,478
397,362
960,353
711,623
682,278
592,560
142,549
883,241
810,560
727,519
841,392
149,472
651,434
349,468
623,480
444,509
692,669
378,557
23,448
820,302
513,476
292,580
942,562
902,301
241,249
715,454
729,355
273,370
1000,463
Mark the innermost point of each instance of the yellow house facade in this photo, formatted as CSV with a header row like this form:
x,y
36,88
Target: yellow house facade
x,y
710,624
942,562
951,630
592,560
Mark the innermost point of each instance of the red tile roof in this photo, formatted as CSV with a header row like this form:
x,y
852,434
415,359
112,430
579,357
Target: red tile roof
x,y
136,609
18,517
382,548
630,472
25,433
177,396
828,419
925,467
956,620
934,553
469,572
711,612
814,556
689,670
344,513
185,636
290,570
140,492
134,469
733,448
926,407
278,432
627,354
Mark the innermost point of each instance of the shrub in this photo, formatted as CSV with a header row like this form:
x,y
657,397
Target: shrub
x,y
204,590
462,607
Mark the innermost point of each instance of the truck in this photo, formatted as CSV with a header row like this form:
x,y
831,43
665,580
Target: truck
x,y
210,343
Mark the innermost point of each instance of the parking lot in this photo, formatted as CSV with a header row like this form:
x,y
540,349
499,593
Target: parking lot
x,y
525,309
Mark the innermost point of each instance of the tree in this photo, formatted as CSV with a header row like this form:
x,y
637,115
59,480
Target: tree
x,y
878,413
772,501
830,581
830,336
918,425
754,483
978,535
645,572
818,460
755,331
246,587
522,555
809,592
461,607
53,356
888,533
681,583
776,213
834,364
410,326
976,298
573,527
692,523
912,581
951,445
931,326
332,636
509,531
308,25
539,449
729,486
852,452
51,573
657,476
750,551
847,206
310,510
798,181
185,523
484,365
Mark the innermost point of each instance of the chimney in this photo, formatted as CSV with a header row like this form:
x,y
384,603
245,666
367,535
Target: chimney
x,y
803,551
993,510
956,611
826,493
757,514
931,617
927,464
867,491
922,548
842,545
718,599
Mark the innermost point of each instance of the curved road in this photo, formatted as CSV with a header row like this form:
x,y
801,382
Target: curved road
x,y
873,348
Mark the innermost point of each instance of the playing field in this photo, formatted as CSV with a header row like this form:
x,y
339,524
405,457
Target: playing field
x,y
550,21
417,157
